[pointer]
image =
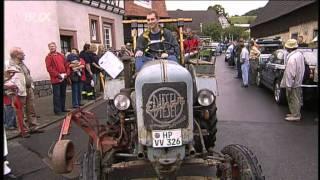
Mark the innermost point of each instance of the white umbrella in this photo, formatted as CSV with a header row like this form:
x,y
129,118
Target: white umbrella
x,y
315,39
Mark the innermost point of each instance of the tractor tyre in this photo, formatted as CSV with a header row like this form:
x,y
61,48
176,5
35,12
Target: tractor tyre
x,y
279,93
244,164
92,164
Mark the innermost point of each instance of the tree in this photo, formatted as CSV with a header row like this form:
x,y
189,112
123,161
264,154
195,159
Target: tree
x,y
218,9
253,12
235,32
170,26
214,30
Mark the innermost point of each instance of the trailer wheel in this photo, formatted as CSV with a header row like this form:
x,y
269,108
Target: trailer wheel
x,y
63,156
244,163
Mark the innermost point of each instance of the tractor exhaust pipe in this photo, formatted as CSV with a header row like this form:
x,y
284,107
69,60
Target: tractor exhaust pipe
x,y
192,151
140,152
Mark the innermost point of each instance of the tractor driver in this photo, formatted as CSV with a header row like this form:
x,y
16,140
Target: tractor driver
x,y
155,33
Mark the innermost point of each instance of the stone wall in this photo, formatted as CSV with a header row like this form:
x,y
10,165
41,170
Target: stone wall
x,y
42,88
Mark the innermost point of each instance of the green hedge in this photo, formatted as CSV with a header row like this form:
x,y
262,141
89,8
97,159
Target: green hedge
x,y
206,52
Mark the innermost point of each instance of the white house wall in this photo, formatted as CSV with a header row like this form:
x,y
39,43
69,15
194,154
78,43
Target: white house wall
x,y
31,25
305,30
75,16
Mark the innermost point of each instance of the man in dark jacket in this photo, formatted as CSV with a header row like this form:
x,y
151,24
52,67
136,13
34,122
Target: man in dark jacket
x,y
57,69
85,55
155,33
301,43
237,55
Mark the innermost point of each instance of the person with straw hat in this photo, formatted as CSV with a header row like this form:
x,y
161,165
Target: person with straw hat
x,y
292,79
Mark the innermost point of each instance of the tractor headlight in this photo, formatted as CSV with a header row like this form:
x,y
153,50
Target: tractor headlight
x,y
205,97
121,102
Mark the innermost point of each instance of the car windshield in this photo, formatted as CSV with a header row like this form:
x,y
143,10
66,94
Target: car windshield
x,y
268,49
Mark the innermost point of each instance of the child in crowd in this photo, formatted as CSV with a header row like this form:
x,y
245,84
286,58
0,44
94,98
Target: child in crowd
x,y
10,89
75,62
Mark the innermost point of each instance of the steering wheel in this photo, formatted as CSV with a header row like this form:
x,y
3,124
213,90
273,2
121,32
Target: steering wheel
x,y
163,45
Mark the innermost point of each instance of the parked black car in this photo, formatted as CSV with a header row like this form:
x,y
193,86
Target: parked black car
x,y
271,71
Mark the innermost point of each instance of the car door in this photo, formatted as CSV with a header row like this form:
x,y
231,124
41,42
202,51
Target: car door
x,y
263,61
270,72
276,67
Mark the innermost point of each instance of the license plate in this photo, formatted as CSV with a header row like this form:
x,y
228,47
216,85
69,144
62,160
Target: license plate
x,y
166,138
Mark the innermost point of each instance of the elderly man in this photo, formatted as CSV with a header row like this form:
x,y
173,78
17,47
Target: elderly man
x,y
155,33
244,61
25,85
292,80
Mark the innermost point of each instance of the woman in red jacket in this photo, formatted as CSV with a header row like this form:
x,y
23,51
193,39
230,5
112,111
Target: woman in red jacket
x,y
57,69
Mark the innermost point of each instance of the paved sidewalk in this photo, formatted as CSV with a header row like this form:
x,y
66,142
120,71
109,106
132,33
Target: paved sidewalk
x,y
44,109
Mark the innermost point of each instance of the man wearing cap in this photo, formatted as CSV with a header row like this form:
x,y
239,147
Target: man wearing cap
x,y
292,80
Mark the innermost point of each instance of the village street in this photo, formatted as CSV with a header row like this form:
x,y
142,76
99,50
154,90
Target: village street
x,y
161,90
247,116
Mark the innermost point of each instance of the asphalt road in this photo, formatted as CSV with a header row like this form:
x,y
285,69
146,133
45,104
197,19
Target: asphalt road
x,y
247,116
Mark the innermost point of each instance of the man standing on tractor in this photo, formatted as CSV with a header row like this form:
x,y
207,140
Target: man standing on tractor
x,y
147,42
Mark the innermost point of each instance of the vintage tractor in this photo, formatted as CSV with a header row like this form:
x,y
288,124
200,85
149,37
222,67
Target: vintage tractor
x,y
164,117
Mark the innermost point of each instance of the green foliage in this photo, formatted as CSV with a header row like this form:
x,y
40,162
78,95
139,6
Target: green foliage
x,y
205,52
213,30
236,32
242,19
253,12
218,9
170,26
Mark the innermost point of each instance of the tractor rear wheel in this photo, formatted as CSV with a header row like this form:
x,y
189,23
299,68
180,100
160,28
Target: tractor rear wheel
x,y
92,165
244,163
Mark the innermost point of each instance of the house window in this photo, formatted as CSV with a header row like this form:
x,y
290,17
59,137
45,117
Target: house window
x,y
107,35
94,29
294,36
65,42
108,32
315,33
68,40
